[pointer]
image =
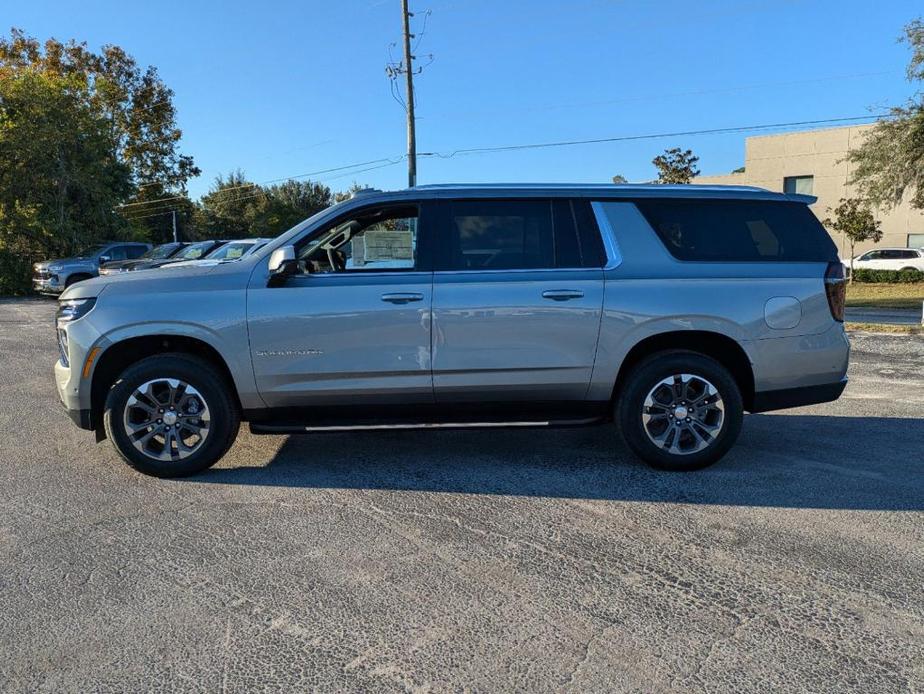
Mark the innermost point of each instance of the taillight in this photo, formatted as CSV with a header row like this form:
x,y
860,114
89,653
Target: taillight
x,y
836,290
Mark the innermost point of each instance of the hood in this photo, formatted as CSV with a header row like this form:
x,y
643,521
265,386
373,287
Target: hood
x,y
72,260
118,265
94,287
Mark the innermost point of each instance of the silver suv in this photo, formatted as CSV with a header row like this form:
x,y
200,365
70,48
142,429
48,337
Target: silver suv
x,y
669,310
54,276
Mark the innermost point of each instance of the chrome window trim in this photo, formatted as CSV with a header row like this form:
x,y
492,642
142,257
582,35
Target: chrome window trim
x,y
610,244
519,270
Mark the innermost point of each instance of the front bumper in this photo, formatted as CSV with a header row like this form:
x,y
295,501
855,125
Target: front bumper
x,y
47,286
74,390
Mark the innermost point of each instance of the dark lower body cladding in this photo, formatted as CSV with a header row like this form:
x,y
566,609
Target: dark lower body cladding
x,y
769,400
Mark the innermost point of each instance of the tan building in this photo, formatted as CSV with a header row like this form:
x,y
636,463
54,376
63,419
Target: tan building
x,y
812,162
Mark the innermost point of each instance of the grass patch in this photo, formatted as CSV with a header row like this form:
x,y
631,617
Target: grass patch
x,y
884,328
908,295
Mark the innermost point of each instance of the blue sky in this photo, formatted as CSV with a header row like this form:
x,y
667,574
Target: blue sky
x,y
285,88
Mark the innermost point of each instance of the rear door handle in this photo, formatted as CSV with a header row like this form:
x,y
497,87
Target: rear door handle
x,y
402,297
562,294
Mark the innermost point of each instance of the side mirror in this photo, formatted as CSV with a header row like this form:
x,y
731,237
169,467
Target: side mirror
x,y
282,265
104,259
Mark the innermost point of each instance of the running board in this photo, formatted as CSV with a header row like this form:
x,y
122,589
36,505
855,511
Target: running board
x,y
266,428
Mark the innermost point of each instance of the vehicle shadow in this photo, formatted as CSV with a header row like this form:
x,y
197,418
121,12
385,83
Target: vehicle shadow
x,y
781,460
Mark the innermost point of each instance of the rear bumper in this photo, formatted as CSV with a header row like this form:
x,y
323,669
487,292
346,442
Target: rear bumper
x,y
769,400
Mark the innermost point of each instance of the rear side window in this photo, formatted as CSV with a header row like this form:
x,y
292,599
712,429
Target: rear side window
x,y
739,230
518,235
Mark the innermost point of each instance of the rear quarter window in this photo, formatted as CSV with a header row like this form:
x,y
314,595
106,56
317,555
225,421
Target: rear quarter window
x,y
739,230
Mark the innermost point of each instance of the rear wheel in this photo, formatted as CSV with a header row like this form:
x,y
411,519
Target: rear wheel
x,y
680,410
171,415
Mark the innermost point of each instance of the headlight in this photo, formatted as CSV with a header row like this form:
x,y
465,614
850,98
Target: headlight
x,y
73,309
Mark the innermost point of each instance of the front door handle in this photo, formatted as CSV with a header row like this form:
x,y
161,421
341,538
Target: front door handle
x,y
562,294
402,297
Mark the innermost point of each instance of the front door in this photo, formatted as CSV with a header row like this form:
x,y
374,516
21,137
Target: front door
x,y
353,328
517,301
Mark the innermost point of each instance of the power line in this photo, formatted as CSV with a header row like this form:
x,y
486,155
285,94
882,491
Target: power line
x,y
648,136
273,180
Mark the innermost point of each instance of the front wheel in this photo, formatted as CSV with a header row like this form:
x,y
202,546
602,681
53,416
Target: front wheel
x,y
680,410
171,415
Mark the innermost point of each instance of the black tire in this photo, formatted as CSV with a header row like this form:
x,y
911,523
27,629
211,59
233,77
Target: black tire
x,y
223,413
73,279
630,405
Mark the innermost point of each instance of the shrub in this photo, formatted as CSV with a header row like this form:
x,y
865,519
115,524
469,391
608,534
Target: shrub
x,y
888,276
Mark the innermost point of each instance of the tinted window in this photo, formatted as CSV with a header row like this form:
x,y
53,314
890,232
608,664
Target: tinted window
x,y
116,253
514,235
739,230
133,252
160,252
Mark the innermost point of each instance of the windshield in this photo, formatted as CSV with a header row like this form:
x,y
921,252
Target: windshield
x,y
195,251
160,252
231,251
89,251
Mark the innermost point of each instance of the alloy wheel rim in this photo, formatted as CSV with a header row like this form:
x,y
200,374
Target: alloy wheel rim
x,y
683,414
166,419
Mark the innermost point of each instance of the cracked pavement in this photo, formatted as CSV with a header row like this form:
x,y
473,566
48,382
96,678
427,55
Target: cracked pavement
x,y
540,560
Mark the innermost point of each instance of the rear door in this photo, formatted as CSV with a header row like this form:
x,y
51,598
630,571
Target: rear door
x,y
354,327
517,300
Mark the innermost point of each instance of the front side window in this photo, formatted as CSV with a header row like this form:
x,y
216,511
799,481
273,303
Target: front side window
x,y
374,240
116,253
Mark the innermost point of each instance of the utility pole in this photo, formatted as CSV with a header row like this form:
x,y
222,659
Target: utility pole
x,y
409,75
174,226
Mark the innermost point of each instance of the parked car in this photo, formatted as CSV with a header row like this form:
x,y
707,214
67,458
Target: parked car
x,y
147,259
231,250
54,276
194,251
889,259
670,310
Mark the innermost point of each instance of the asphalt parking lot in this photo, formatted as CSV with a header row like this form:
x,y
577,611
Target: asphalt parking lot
x,y
432,561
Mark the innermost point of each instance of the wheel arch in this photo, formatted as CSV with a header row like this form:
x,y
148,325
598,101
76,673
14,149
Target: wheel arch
x,y
121,354
724,349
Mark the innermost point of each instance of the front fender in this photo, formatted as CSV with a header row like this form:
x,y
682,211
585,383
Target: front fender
x,y
232,348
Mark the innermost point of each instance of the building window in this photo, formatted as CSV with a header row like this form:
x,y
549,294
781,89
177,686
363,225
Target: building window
x,y
800,185
915,240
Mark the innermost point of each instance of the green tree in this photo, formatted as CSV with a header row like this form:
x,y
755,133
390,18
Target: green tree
x,y
235,207
676,166
854,219
136,103
889,164
619,178
59,179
